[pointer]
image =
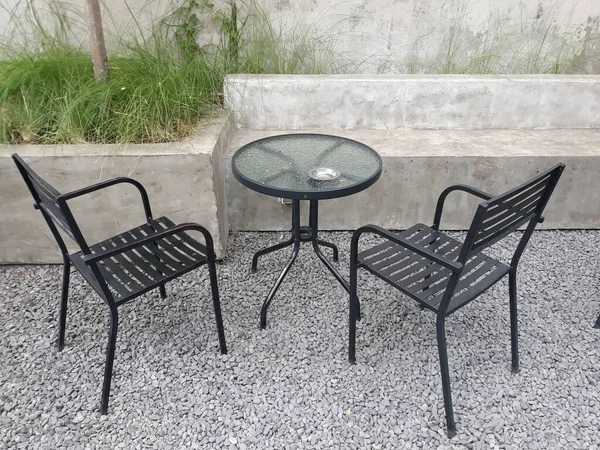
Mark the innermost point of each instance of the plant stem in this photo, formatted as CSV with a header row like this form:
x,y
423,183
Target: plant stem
x,y
97,44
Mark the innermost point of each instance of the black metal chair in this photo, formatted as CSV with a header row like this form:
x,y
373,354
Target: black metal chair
x,y
443,274
126,266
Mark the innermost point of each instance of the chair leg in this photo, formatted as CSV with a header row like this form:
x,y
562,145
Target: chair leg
x,y
163,291
110,357
445,371
514,332
354,313
352,337
597,325
62,320
217,306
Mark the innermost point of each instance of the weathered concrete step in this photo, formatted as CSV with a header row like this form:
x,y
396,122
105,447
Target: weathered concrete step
x,y
271,102
419,164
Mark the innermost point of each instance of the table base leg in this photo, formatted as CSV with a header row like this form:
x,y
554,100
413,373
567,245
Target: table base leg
x,y
268,250
331,246
306,234
267,302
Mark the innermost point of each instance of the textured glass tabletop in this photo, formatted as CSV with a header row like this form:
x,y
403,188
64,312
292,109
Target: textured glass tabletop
x,y
306,166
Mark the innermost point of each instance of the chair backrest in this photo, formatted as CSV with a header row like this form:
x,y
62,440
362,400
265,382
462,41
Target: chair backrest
x,y
505,213
46,199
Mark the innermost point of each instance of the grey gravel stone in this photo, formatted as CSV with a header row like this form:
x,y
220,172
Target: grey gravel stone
x,y
290,386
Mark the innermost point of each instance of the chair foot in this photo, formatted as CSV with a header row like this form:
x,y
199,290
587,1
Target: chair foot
x,y
451,432
60,347
597,325
163,291
515,369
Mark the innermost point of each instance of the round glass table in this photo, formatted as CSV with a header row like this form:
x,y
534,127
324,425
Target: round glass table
x,y
305,167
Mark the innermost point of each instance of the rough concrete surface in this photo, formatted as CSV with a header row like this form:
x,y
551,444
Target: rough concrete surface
x,y
375,36
291,386
182,179
269,102
419,164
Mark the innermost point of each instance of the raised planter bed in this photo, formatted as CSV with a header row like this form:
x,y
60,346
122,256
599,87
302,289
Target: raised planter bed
x,y
184,181
191,180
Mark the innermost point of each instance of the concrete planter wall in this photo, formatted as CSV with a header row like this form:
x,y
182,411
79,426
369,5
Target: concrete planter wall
x,y
183,180
192,181
413,102
419,164
432,131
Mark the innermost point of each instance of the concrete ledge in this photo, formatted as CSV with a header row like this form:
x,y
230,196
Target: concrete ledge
x,y
268,102
184,181
418,165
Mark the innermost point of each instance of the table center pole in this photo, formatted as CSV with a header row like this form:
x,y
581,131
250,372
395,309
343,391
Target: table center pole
x,y
311,233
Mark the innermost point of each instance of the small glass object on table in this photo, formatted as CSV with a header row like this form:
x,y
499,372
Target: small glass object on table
x,y
305,167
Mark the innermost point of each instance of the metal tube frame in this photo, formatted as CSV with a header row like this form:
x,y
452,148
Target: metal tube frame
x,y
456,267
299,234
92,260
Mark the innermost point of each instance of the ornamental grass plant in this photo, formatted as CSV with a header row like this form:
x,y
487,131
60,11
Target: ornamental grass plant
x,y
152,95
161,83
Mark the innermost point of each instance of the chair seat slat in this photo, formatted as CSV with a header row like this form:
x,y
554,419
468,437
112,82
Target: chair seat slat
x,y
379,253
144,267
199,248
385,246
156,256
188,252
146,274
440,274
461,299
116,279
142,256
425,280
390,258
403,263
170,246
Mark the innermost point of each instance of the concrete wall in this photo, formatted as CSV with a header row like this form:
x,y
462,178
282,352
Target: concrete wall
x,y
183,180
419,164
413,35
379,36
413,101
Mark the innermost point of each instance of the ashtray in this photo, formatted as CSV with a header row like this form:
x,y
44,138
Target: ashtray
x,y
324,173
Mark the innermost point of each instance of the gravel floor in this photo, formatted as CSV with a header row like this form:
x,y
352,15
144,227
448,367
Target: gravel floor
x,y
291,386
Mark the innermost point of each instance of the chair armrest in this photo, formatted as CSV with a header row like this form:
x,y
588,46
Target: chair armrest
x,y
432,256
442,198
112,182
210,251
